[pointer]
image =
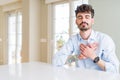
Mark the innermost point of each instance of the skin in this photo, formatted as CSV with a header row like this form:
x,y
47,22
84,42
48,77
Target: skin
x,y
84,22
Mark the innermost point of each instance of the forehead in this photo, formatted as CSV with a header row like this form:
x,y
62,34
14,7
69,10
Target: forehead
x,y
84,13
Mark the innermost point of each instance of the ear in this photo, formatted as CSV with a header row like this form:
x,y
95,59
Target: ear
x,y
92,20
75,21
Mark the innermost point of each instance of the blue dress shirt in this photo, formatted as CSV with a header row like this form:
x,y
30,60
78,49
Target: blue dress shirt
x,y
105,50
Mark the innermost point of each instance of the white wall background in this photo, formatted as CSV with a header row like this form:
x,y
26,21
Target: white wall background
x,y
107,19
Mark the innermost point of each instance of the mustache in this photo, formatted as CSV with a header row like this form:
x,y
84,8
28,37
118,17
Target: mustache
x,y
84,23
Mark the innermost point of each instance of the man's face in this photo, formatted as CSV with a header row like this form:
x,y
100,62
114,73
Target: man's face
x,y
84,21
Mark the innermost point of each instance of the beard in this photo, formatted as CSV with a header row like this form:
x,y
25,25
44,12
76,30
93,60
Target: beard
x,y
83,27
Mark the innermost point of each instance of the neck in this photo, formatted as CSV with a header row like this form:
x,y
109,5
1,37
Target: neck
x,y
85,34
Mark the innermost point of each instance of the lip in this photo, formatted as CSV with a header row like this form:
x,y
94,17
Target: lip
x,y
84,24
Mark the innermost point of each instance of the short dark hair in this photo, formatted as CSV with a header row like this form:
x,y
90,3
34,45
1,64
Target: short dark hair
x,y
85,8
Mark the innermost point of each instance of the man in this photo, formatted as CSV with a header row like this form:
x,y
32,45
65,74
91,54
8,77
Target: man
x,y
94,50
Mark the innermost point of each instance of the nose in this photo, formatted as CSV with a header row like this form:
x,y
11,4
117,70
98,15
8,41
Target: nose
x,y
83,19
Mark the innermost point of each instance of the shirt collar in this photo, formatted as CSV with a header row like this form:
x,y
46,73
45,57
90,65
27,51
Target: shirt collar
x,y
92,36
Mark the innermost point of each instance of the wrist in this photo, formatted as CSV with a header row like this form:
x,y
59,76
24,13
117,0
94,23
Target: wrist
x,y
93,57
96,59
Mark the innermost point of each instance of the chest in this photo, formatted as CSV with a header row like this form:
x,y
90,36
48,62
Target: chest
x,y
98,50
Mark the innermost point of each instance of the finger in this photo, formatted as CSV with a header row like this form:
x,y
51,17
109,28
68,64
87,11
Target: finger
x,y
82,46
93,45
81,56
82,50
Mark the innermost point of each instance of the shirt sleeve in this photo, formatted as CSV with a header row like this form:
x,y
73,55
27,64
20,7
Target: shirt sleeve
x,y
109,56
60,57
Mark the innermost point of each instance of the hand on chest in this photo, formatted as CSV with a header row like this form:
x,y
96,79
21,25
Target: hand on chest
x,y
88,49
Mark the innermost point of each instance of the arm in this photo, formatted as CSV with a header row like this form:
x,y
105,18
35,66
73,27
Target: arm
x,y
60,57
88,51
108,61
109,56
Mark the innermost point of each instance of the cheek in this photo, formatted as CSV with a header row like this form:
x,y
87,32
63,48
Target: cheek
x,y
78,22
90,22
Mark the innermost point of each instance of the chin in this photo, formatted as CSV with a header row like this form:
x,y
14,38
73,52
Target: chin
x,y
84,29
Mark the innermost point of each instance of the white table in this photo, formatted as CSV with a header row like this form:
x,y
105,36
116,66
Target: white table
x,y
43,71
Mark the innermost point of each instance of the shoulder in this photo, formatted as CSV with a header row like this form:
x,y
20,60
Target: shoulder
x,y
104,38
102,35
74,37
